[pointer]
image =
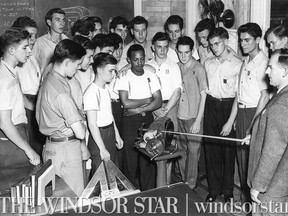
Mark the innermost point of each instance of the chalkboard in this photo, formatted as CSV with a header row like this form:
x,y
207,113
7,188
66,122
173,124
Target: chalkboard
x,y
10,10
74,9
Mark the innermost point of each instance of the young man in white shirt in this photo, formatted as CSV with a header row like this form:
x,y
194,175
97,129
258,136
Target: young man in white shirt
x,y
252,95
45,45
140,94
14,145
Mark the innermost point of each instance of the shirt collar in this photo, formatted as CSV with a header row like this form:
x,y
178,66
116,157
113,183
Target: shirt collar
x,y
62,37
10,69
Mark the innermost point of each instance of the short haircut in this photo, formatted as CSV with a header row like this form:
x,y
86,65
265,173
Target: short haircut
x,y
24,21
116,39
252,29
185,40
280,31
103,59
134,48
68,49
218,32
11,37
82,26
283,56
160,36
53,11
95,19
85,42
118,20
174,19
138,20
102,40
205,24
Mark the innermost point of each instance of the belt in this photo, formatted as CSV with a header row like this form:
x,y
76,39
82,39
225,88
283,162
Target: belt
x,y
220,99
107,126
115,100
62,139
243,106
165,101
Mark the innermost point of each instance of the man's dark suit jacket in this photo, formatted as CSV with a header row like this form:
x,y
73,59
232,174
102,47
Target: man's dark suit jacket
x,y
268,156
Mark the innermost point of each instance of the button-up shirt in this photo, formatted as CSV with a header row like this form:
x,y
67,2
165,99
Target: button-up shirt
x,y
43,49
55,108
194,82
11,97
169,75
29,76
252,79
223,76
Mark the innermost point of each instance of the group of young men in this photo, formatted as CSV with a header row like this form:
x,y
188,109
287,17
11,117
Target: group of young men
x,y
160,78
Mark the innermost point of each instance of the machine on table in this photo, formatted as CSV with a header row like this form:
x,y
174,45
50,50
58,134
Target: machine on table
x,y
156,143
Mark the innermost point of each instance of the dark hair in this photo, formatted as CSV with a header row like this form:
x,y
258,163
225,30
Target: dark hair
x,y
102,40
12,36
24,21
283,56
205,24
101,60
95,19
138,20
53,11
134,48
174,19
218,32
160,36
116,39
280,31
118,20
252,29
68,49
85,42
185,40
83,27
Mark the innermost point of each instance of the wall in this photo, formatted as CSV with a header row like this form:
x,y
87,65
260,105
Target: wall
x,y
157,11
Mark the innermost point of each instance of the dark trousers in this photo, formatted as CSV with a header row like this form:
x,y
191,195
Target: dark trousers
x,y
108,137
219,154
10,154
137,167
244,118
117,114
36,139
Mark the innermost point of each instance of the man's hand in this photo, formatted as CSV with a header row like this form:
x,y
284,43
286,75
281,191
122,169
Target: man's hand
x,y
195,128
246,140
84,151
131,111
67,132
254,195
34,158
119,142
226,129
104,154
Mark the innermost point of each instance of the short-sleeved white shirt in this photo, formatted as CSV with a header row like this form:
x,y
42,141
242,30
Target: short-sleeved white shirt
x,y
252,80
138,87
98,99
29,76
223,76
11,97
170,77
44,48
